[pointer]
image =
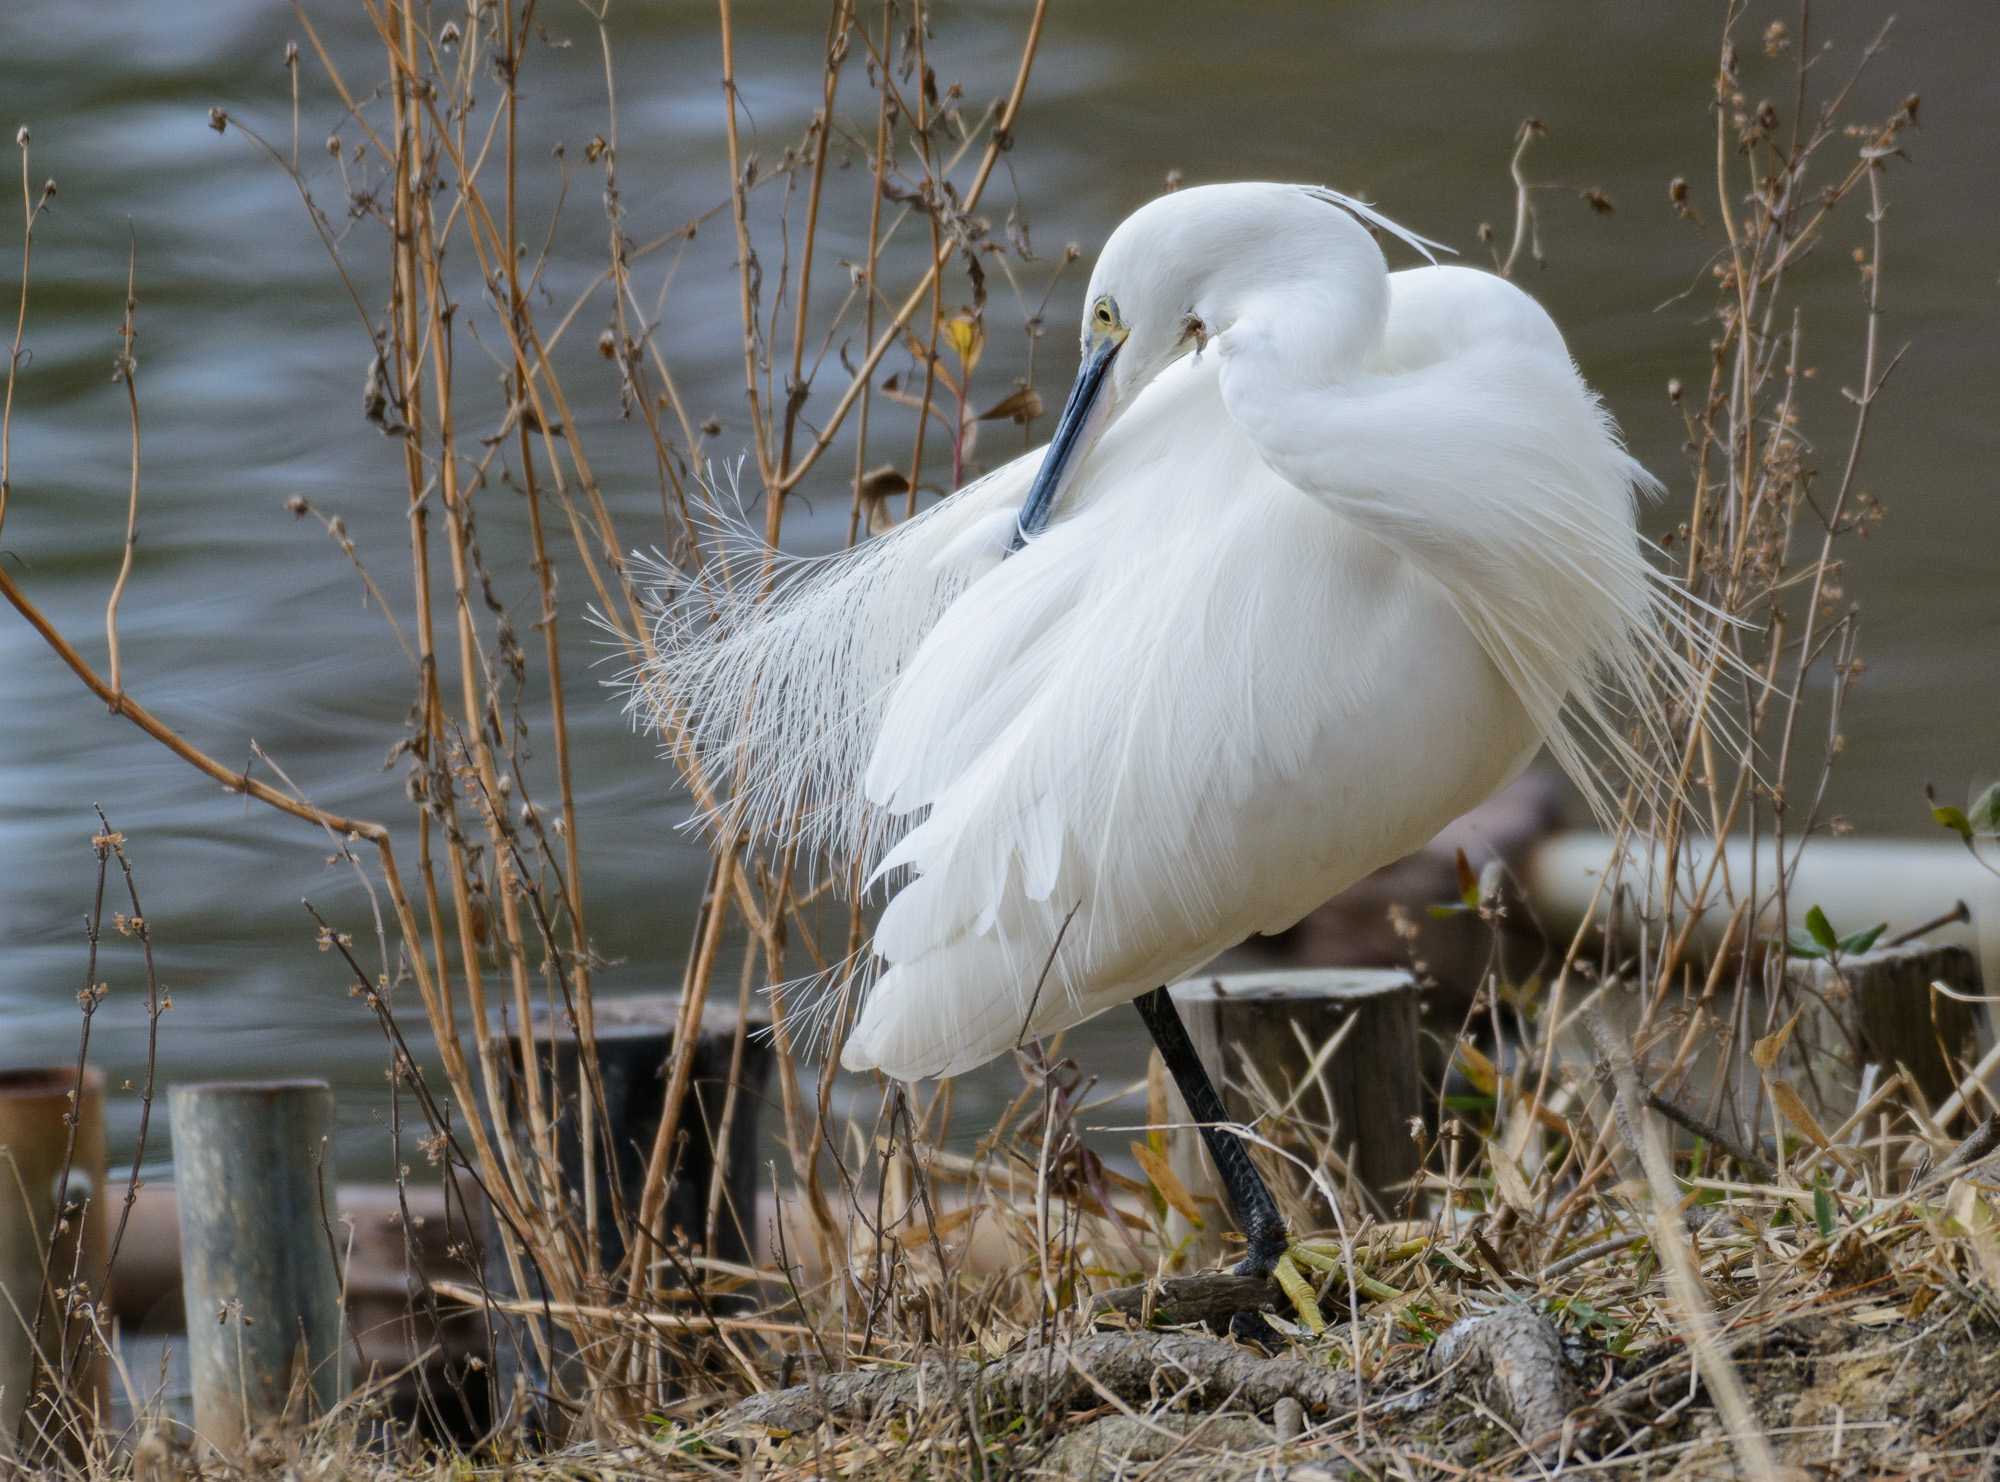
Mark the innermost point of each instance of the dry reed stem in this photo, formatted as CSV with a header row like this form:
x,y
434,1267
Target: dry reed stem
x,y
31,211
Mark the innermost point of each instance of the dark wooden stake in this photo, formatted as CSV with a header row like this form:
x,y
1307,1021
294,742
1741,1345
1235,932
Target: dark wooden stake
x,y
634,1042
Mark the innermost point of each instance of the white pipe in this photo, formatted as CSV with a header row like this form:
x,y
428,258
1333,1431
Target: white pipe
x,y
1857,882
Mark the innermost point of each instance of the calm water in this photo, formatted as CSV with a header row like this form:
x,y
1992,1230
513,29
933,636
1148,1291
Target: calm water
x,y
241,623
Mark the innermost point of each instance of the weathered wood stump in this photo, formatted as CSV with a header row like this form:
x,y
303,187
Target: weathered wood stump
x,y
635,1042
1881,1004
256,1196
1262,1037
35,1107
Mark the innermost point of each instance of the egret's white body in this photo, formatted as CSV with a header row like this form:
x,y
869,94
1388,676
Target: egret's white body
x,y
1341,556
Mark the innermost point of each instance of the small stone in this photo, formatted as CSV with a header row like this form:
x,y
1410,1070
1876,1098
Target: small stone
x,y
1289,1418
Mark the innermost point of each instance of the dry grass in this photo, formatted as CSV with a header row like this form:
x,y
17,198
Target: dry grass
x,y
1770,1294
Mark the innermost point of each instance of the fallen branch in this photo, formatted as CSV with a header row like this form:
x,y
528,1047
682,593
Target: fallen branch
x,y
1173,1301
1589,1253
1133,1367
1516,1355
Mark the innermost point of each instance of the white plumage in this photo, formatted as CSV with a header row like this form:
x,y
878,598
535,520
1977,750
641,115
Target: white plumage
x,y
1337,550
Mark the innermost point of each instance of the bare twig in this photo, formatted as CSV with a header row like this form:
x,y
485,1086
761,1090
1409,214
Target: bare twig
x,y
126,371
31,212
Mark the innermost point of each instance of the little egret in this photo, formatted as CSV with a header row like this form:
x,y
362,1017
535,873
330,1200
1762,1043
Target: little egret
x,y
1317,558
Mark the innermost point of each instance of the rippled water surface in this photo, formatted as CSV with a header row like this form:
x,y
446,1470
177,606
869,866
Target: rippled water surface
x,y
241,624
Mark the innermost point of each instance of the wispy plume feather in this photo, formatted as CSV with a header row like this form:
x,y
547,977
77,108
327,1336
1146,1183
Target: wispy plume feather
x,y
776,667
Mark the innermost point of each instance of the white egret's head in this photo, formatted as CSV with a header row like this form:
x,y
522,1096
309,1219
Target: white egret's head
x,y
1185,269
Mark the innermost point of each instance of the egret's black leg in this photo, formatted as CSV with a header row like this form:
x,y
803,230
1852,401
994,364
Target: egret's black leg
x,y
1249,1196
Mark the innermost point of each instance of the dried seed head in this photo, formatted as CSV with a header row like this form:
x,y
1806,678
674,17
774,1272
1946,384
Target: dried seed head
x,y
1674,389
333,145
291,53
607,344
217,120
298,507
448,37
21,136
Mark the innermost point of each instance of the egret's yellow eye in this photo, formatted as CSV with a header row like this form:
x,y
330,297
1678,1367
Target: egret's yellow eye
x,y
1102,314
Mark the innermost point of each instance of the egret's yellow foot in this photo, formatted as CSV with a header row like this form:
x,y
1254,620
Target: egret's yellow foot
x,y
1323,1256
1304,1300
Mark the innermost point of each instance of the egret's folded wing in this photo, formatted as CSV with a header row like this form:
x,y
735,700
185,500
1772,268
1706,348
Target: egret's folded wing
x,y
1477,452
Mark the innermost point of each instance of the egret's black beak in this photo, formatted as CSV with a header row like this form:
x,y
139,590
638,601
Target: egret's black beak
x,y
1073,429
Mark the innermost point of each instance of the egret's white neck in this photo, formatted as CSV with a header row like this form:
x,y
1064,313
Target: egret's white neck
x,y
1305,337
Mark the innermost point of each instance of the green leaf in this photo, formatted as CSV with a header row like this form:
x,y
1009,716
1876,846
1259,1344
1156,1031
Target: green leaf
x,y
1822,1209
1798,944
1984,815
1822,930
1583,1310
1955,820
1861,941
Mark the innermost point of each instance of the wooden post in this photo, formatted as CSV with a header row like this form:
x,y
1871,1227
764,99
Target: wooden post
x,y
35,1110
1881,1005
634,1043
1261,1035
420,1358
254,1176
